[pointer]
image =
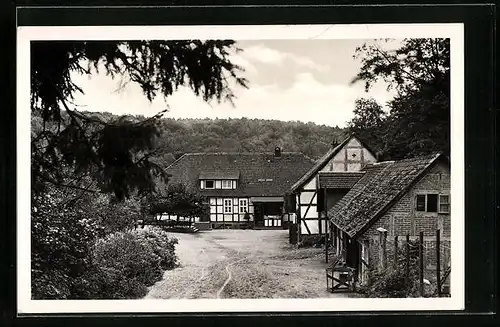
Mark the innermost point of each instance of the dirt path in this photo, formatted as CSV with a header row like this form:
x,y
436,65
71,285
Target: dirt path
x,y
243,264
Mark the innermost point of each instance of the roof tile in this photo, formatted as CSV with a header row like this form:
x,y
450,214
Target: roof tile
x,y
260,174
341,180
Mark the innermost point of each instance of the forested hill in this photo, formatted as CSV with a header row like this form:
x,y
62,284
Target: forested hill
x,y
179,136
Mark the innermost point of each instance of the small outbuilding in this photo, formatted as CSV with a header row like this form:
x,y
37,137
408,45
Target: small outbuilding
x,y
392,198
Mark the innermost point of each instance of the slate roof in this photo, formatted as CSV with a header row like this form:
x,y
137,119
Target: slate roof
x,y
260,174
381,186
321,163
331,179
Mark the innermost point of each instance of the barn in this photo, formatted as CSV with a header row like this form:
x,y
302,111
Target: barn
x,y
236,184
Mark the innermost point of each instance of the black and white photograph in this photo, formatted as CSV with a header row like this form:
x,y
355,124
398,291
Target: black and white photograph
x,y
241,168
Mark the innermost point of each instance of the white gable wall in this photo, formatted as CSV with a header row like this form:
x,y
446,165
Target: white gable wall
x,y
352,157
311,185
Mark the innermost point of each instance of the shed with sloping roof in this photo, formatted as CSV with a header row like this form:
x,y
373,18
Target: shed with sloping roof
x,y
395,198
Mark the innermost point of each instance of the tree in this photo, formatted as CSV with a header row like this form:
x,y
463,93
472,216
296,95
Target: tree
x,y
177,200
369,123
419,118
81,160
115,153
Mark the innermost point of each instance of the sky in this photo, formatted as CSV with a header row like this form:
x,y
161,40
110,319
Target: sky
x,y
289,80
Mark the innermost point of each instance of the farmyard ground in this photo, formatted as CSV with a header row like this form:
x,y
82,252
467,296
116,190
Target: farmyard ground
x,y
243,264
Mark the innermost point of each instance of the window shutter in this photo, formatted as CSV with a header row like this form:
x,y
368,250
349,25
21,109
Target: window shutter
x,y
420,202
320,195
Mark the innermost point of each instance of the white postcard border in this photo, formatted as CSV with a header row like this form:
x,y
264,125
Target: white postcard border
x,y
240,32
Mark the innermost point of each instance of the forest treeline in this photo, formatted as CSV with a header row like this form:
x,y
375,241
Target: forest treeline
x,y
179,136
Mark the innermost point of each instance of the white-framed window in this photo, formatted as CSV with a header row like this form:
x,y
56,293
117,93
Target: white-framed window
x,y
228,206
227,184
209,184
444,203
432,202
243,205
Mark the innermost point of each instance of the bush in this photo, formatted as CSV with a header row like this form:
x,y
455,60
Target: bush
x,y
392,282
117,216
126,263
60,239
73,259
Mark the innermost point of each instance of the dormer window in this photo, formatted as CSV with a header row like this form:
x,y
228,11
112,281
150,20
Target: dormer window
x,y
216,180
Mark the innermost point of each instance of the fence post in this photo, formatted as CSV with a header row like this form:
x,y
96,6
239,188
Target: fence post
x,y
438,261
384,248
407,259
326,243
395,251
421,262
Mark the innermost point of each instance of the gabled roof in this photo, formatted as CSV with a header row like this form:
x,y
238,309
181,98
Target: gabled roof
x,y
260,174
323,161
381,186
343,180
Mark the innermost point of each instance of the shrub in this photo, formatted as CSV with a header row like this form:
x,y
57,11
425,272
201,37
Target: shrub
x,y
73,259
117,216
125,263
60,241
392,282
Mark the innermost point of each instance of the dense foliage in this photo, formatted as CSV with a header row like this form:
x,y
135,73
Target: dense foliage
x,y
90,173
62,234
369,123
393,281
126,263
175,199
85,249
418,121
179,136
246,135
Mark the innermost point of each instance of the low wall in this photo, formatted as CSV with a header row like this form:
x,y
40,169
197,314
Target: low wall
x,y
202,225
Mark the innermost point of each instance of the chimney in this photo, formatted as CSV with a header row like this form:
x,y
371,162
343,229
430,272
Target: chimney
x,y
335,142
277,152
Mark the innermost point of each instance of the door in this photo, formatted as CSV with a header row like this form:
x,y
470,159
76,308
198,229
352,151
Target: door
x,y
353,255
258,214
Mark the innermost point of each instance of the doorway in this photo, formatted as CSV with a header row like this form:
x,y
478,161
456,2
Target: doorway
x,y
258,214
353,255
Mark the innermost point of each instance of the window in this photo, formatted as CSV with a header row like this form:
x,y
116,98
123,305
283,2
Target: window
x,y
227,184
228,206
427,203
432,202
243,205
209,184
444,203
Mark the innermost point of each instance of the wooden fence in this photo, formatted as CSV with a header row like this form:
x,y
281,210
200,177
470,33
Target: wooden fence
x,y
434,257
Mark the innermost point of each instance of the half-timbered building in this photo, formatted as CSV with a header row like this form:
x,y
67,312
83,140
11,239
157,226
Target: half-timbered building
x,y
326,183
392,198
235,184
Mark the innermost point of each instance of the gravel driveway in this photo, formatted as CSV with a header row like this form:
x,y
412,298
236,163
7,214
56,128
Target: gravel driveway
x,y
243,264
